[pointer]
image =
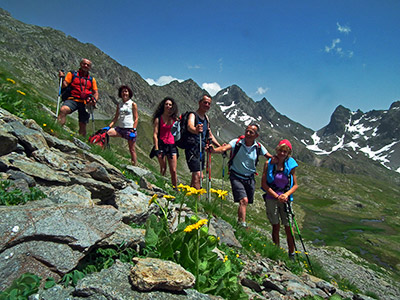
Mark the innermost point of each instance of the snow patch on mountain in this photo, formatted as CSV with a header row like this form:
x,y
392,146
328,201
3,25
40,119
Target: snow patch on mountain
x,y
226,107
379,155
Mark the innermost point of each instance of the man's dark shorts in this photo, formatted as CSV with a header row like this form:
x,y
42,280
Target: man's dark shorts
x,y
242,188
83,115
193,158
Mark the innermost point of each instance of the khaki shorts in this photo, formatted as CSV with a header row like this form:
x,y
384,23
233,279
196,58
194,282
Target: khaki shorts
x,y
276,211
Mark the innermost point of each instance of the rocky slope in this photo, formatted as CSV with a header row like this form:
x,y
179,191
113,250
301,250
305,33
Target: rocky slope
x,y
87,205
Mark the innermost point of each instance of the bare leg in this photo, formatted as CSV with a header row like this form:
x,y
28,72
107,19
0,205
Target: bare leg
x,y
163,164
82,129
62,116
132,151
275,234
196,177
242,209
289,238
172,162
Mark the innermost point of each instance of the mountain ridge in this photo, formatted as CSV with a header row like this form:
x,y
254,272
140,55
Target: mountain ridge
x,y
34,54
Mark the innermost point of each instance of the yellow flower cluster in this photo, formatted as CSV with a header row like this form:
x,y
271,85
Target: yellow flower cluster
x,y
22,93
221,194
225,258
196,226
11,80
169,197
191,190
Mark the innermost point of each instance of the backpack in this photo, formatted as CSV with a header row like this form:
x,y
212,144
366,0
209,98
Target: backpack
x,y
180,132
100,138
289,165
237,148
66,92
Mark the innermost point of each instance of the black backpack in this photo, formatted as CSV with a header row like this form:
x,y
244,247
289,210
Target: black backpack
x,y
183,138
237,148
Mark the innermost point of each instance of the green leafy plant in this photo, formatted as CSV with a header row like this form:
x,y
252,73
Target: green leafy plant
x,y
9,196
191,246
72,278
27,284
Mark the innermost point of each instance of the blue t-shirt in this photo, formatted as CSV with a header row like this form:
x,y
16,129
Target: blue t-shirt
x,y
244,162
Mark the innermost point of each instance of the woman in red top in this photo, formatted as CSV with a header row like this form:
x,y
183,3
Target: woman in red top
x,y
164,144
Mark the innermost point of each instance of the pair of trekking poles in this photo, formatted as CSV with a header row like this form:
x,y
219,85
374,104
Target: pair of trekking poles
x,y
90,108
292,219
208,170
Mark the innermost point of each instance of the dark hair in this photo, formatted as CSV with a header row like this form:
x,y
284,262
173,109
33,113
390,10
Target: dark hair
x,y
205,95
121,88
255,125
160,109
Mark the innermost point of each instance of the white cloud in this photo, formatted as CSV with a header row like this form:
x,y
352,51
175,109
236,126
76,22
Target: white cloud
x,y
334,43
213,88
163,80
343,29
261,90
194,67
338,50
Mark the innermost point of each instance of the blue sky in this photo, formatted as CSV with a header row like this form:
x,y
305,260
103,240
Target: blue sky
x,y
304,57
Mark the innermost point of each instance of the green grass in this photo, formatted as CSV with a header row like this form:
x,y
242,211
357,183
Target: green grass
x,y
325,199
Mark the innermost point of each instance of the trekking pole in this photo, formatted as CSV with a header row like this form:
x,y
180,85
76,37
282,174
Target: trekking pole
x,y
289,216
200,148
59,95
301,239
223,172
208,173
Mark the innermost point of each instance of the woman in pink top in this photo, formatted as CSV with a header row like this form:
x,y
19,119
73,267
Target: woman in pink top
x,y
163,119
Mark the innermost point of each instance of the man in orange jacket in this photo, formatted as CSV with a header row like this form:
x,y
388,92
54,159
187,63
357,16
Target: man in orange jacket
x,y
83,92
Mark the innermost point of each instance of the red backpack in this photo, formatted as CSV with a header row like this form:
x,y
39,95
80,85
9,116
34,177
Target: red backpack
x,y
100,137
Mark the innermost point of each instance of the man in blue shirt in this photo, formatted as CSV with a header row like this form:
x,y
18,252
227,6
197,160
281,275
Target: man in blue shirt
x,y
243,167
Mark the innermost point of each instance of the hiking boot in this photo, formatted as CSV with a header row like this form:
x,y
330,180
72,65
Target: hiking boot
x,y
242,224
291,256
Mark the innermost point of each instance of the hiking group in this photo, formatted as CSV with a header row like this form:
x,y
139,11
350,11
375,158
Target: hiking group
x,y
192,132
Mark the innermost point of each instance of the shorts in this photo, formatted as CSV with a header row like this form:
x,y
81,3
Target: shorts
x,y
242,188
83,115
193,158
125,133
167,149
276,211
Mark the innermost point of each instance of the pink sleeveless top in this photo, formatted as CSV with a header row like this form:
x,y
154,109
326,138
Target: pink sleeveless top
x,y
165,132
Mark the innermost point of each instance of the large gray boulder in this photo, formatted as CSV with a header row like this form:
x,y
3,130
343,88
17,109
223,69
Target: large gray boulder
x,y
50,240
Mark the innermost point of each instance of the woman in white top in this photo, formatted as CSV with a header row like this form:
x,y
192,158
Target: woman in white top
x,y
127,117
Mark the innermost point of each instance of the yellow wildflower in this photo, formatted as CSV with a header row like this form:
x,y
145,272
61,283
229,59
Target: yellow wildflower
x,y
225,258
152,199
196,226
221,194
44,124
11,80
169,197
237,255
250,245
22,93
